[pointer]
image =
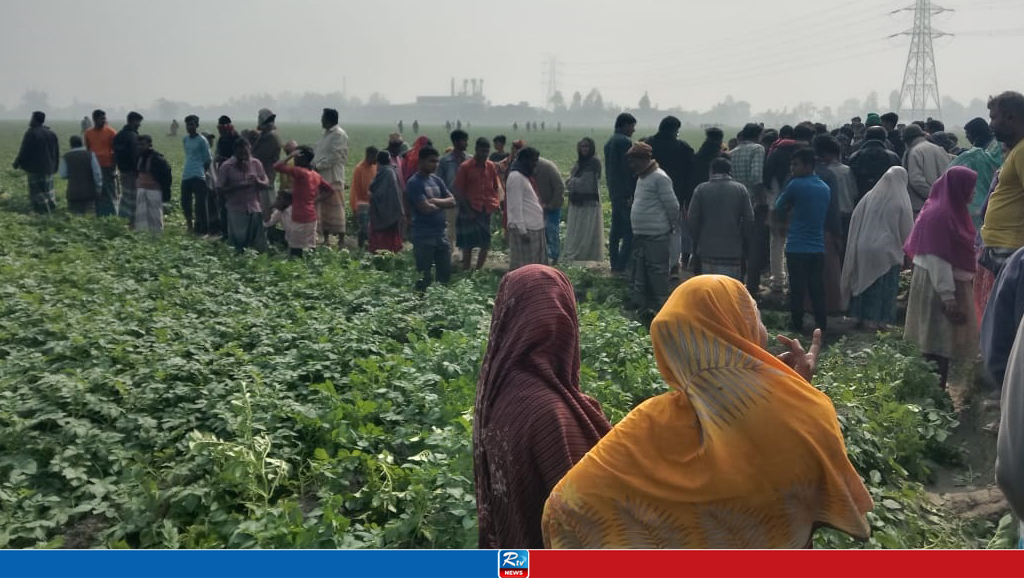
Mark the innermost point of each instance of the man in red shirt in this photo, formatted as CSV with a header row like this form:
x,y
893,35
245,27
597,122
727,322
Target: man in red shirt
x,y
100,140
478,190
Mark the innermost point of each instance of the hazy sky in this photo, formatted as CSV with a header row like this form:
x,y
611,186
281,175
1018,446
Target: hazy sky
x,y
684,52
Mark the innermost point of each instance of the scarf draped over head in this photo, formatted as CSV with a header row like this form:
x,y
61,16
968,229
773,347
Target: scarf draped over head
x,y
386,209
944,227
586,162
880,225
742,453
412,158
531,421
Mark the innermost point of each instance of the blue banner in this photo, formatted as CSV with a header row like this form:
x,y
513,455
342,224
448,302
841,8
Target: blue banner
x,y
249,563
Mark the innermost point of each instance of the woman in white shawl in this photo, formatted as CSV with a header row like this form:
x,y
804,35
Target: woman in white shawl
x,y
880,225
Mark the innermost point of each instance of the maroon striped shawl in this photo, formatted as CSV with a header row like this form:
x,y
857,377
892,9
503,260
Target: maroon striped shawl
x,y
532,423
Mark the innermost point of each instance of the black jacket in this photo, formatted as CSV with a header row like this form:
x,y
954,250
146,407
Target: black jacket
x,y
39,153
675,157
161,171
870,163
776,166
708,152
126,149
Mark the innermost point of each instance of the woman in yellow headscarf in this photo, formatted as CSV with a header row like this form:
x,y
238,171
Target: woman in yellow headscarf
x,y
742,453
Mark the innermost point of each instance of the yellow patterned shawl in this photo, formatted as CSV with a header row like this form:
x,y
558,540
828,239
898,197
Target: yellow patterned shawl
x,y
743,453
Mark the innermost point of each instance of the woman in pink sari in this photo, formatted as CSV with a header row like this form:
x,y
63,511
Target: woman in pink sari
x,y
940,310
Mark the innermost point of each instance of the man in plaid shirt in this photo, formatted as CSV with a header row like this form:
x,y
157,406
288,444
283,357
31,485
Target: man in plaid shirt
x,y
748,169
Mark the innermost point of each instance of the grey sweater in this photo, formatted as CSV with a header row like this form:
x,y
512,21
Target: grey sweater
x,y
655,206
720,214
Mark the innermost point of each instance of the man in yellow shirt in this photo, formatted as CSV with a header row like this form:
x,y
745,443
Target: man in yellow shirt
x,y
1003,231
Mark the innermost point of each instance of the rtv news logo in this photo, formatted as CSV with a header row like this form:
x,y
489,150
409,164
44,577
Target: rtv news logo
x,y
513,563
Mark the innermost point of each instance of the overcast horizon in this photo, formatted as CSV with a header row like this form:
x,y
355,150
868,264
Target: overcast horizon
x,y
681,54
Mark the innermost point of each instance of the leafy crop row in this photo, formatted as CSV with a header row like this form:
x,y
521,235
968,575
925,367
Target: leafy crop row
x,y
164,393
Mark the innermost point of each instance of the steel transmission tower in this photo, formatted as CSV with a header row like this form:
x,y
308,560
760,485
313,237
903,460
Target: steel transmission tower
x,y
919,96
550,79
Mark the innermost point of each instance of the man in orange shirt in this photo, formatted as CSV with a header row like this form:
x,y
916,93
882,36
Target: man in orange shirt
x,y
359,194
100,140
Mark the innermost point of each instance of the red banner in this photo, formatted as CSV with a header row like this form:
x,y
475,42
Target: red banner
x,y
777,564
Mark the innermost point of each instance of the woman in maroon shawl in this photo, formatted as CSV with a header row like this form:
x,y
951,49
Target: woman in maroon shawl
x,y
940,316
531,421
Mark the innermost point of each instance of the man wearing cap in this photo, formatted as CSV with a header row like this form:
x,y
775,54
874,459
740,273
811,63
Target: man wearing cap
x,y
984,158
925,162
39,156
267,150
655,208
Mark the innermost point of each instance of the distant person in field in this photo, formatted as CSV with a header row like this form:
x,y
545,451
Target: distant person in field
x,y
126,155
226,140
879,227
401,128
728,400
584,232
529,407
499,153
720,221
448,169
940,311
194,192
387,207
1002,232
359,195
86,124
984,158
331,154
526,228
551,193
39,157
748,170
478,190
515,127
807,197
174,128
676,157
429,197
621,184
872,161
100,140
307,186
85,180
458,125
153,183
654,210
415,127
241,179
925,163
267,150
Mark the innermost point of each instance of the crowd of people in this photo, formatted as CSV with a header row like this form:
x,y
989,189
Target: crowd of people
x,y
834,216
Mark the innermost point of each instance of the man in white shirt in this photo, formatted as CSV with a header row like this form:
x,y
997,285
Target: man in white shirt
x,y
925,162
526,232
329,157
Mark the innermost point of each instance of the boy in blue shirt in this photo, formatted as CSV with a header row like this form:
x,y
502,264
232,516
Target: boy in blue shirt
x,y
808,197
429,197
